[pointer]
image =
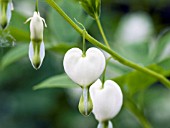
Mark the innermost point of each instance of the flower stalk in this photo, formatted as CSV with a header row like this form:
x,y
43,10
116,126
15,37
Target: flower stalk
x,y
116,56
101,30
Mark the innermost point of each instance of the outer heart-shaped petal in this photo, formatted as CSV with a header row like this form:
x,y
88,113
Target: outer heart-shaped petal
x,y
36,54
107,101
84,70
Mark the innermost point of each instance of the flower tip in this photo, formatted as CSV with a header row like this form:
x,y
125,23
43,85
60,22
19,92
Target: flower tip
x,y
36,65
36,61
4,25
4,22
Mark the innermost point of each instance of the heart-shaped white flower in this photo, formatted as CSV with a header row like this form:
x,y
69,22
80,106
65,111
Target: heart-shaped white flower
x,y
107,101
84,70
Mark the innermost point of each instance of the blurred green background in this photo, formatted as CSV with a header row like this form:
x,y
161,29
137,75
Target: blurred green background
x,y
137,30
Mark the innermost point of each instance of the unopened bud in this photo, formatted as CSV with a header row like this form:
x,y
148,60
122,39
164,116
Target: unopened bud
x,y
36,47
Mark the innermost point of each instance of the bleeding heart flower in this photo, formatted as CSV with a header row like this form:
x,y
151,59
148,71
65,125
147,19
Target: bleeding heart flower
x,y
84,70
107,101
36,47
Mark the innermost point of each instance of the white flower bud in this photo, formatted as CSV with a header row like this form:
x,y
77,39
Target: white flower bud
x,y
107,101
36,27
6,6
36,47
84,70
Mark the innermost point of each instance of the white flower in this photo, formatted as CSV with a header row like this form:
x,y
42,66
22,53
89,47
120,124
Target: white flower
x,y
107,101
36,47
6,6
135,28
84,70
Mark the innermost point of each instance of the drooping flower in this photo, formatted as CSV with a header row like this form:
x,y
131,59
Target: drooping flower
x,y
107,100
36,47
6,6
84,70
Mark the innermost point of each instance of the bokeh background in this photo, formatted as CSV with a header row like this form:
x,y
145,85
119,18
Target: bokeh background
x,y
136,29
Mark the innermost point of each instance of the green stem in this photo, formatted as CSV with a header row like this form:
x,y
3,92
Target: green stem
x,y
119,58
84,43
104,72
103,76
101,30
36,6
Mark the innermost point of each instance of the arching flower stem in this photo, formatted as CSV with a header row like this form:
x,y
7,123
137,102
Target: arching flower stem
x,y
116,56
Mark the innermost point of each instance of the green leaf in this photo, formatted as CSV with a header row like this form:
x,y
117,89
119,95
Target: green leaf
x,y
88,8
19,34
115,69
92,7
97,5
17,28
138,53
165,65
14,55
58,81
60,47
136,81
163,46
61,30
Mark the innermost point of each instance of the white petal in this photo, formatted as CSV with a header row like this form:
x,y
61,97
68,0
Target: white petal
x,y
9,9
28,20
107,101
84,70
36,27
42,52
32,55
12,6
109,126
44,22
